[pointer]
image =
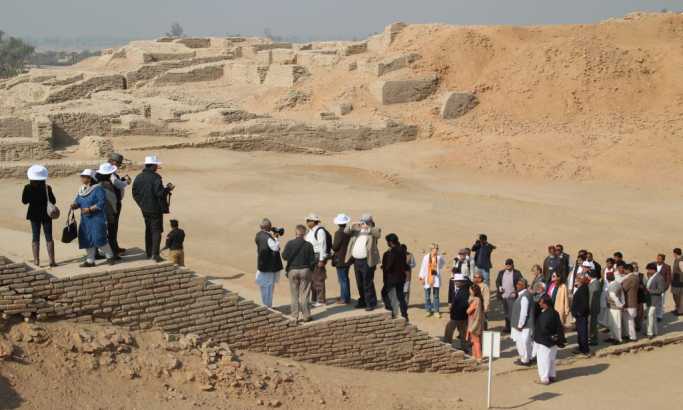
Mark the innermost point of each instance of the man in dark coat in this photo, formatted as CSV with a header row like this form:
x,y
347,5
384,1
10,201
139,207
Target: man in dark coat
x,y
482,256
340,244
506,284
394,270
458,311
548,336
151,196
581,313
120,184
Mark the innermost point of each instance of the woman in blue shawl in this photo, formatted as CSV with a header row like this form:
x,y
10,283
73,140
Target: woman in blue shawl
x,y
92,233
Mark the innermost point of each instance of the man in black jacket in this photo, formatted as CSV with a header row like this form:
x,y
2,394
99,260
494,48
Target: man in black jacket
x,y
301,261
458,311
394,269
340,244
548,335
581,312
482,256
506,284
151,196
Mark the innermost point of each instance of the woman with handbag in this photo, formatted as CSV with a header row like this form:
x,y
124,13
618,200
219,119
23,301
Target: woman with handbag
x,y
92,233
41,211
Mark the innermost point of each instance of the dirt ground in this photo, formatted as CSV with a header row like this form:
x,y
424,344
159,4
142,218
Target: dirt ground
x,y
222,195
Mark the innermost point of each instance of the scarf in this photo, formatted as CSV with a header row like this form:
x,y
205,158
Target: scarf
x,y
433,269
86,190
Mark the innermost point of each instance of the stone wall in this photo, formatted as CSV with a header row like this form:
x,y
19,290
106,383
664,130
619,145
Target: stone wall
x,y
284,75
203,72
150,71
69,127
84,88
23,149
177,301
13,127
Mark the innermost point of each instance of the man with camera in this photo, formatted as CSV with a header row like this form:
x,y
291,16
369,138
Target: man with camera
x,y
120,185
153,198
364,253
269,263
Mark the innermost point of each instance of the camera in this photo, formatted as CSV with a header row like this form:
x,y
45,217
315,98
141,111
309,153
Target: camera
x,y
278,231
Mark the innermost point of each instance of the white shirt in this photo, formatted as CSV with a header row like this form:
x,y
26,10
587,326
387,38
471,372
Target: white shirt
x,y
318,239
360,247
274,244
524,311
659,268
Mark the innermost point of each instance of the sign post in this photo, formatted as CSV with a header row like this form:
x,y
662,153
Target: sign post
x,y
491,347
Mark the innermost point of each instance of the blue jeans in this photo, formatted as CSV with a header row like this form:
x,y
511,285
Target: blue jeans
x,y
47,229
429,306
344,289
485,273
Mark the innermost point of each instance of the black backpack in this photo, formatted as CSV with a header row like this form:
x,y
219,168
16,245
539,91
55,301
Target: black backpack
x,y
328,240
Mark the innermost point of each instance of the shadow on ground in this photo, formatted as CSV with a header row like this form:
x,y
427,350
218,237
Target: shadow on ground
x,y
9,398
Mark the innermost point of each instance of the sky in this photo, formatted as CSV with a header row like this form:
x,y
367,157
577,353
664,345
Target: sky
x,y
307,19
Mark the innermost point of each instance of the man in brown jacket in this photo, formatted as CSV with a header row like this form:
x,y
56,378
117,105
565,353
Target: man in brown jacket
x,y
340,244
629,284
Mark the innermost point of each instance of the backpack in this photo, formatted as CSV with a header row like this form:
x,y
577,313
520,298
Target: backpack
x,y
328,240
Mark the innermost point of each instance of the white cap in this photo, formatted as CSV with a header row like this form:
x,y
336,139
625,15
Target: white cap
x,y
107,169
313,217
588,264
152,160
37,173
342,219
459,277
87,173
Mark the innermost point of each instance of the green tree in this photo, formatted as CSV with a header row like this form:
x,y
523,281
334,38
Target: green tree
x,y
176,30
14,54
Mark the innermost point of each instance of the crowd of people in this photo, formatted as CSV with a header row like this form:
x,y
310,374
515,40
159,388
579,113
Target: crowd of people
x,y
579,295
99,200
562,294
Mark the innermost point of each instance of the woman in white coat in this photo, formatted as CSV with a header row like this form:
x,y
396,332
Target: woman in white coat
x,y
430,277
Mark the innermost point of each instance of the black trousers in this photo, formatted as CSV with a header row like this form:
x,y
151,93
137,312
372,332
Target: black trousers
x,y
365,280
154,226
114,232
582,334
403,305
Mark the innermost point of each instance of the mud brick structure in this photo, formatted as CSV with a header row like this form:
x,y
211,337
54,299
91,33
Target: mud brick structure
x,y
25,138
177,301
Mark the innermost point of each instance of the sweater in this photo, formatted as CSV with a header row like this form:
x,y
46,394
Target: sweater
x,y
299,254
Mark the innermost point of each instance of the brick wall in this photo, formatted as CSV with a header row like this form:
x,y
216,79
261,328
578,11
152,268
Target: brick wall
x,y
177,301
13,127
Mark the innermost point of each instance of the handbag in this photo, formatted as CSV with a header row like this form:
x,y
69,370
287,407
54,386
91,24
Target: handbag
x,y
52,210
70,231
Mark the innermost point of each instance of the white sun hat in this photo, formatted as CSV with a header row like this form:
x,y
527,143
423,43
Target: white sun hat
x,y
107,169
87,173
342,219
152,160
313,217
37,173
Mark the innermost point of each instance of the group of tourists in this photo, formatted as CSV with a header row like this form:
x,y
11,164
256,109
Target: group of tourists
x,y
99,200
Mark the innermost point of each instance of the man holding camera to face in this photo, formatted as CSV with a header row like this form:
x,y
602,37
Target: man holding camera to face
x,y
269,263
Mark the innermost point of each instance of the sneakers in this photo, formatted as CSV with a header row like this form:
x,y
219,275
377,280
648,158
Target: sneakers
x,y
86,265
429,314
438,315
316,304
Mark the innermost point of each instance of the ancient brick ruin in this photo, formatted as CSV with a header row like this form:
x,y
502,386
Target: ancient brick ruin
x,y
177,301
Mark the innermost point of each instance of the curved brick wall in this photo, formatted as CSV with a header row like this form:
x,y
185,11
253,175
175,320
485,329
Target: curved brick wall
x,y
178,301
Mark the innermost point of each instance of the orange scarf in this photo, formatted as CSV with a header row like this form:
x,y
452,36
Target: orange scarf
x,y
433,262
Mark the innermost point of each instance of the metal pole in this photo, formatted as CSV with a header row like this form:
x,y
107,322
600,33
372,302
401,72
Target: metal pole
x,y
488,390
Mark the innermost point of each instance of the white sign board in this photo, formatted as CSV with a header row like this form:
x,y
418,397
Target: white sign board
x,y
491,344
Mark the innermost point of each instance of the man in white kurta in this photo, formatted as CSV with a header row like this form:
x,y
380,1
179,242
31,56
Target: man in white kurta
x,y
521,321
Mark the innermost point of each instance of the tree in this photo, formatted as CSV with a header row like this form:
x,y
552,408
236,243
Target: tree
x,y
176,30
14,54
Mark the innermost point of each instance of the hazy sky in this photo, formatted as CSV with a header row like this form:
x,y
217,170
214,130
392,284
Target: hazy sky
x,y
303,18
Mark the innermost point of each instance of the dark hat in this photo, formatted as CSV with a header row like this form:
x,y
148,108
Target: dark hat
x,y
392,237
651,266
116,157
509,262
